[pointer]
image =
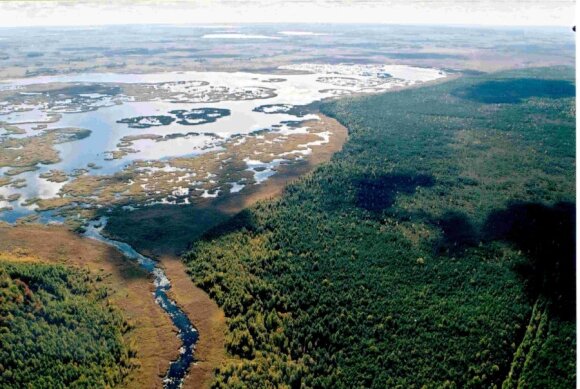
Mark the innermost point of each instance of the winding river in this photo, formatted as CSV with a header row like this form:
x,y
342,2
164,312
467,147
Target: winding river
x,y
179,368
249,110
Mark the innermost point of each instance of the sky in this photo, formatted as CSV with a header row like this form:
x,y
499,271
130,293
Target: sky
x,y
446,12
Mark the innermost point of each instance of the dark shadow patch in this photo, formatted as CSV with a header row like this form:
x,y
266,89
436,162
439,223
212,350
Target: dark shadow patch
x,y
547,236
458,233
243,220
162,229
516,90
376,194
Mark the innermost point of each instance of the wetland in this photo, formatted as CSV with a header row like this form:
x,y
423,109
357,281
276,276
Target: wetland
x,y
80,148
239,142
107,143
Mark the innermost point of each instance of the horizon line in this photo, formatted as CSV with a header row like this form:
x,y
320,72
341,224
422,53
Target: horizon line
x,y
232,24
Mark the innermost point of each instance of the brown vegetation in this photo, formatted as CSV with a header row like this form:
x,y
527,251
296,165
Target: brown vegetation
x,y
204,313
153,334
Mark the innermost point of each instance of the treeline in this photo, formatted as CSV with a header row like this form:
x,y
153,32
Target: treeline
x,y
57,330
402,262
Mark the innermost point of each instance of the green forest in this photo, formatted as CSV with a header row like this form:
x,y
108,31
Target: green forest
x,y
57,329
435,250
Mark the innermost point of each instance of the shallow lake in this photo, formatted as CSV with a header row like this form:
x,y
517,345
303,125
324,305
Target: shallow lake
x,y
323,81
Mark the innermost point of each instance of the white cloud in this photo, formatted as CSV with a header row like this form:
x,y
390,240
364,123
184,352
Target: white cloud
x,y
477,12
237,36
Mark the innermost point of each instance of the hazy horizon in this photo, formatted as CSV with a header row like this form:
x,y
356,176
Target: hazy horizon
x,y
492,13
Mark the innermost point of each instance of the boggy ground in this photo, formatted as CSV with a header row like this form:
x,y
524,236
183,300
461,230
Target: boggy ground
x,y
166,231
162,231
190,179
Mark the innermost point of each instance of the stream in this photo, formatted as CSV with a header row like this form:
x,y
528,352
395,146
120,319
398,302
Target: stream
x,y
179,368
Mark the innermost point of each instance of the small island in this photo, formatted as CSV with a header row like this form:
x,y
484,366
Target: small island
x,y
147,121
199,116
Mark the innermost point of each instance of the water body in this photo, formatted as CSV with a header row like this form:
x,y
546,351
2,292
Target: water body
x,y
179,368
317,82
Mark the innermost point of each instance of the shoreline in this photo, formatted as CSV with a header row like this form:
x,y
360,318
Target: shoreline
x,y
203,312
154,336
